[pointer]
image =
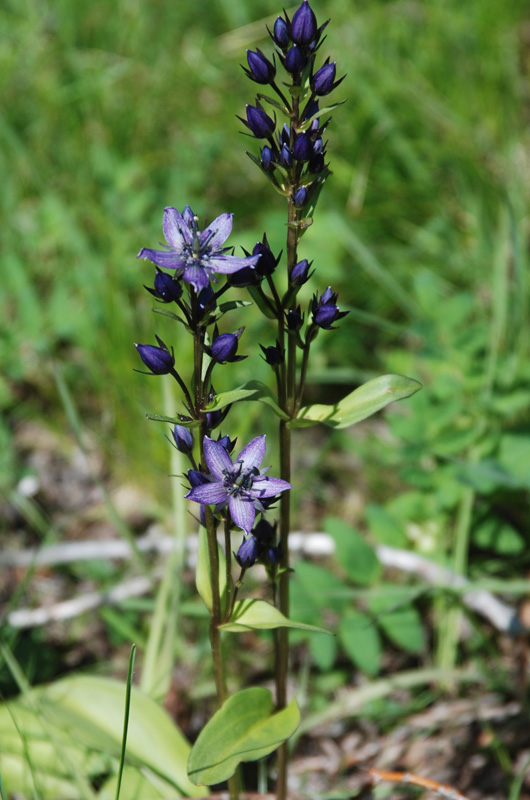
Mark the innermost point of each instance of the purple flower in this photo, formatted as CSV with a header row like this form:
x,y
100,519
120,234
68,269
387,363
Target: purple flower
x,y
196,255
157,359
304,24
240,484
166,288
300,272
260,70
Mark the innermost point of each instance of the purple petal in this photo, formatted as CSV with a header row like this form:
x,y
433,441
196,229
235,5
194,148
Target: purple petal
x,y
269,487
174,229
162,258
252,454
242,512
188,216
226,265
197,276
217,231
216,458
208,493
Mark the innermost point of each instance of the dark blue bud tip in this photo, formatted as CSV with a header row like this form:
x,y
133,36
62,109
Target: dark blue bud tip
x,y
157,359
248,552
183,438
260,69
258,122
304,25
280,34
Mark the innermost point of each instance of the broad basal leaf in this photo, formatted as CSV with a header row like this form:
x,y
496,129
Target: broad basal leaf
x,y
246,728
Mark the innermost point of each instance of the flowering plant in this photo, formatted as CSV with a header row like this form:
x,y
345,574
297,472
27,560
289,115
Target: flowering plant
x,y
234,492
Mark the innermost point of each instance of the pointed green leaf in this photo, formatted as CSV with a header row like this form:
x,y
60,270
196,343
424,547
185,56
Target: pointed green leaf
x,y
246,728
361,641
255,390
259,615
202,573
268,175
359,404
193,423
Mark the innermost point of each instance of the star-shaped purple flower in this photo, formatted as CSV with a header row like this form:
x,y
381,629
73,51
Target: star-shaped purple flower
x,y
240,484
196,255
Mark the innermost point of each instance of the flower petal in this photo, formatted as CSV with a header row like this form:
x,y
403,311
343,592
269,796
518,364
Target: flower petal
x,y
216,457
269,487
162,258
197,276
217,232
208,493
174,229
242,512
252,454
226,265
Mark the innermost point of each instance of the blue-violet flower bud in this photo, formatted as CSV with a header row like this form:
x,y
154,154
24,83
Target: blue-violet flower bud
x,y
300,197
259,122
227,443
248,552
165,288
260,70
286,157
267,157
206,301
325,310
304,24
294,61
322,81
183,439
300,272
267,263
281,32
274,354
224,347
303,147
295,319
157,359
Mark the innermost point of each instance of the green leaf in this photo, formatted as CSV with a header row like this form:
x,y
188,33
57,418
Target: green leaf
x,y
499,536
246,728
258,615
193,423
385,527
202,573
255,390
316,588
400,621
231,305
361,641
353,553
359,404
90,709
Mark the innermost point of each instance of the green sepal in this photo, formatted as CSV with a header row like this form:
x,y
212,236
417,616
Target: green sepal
x,y
251,390
359,404
261,616
246,728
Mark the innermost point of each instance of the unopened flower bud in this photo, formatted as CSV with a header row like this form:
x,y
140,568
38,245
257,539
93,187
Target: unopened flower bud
x,y
248,552
224,347
304,24
300,197
274,355
300,272
183,439
165,288
294,60
323,81
286,157
259,122
281,33
260,70
294,319
157,359
325,309
267,157
303,147
267,262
